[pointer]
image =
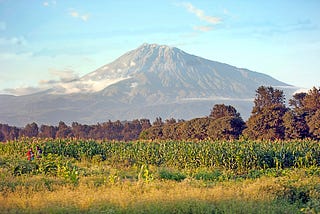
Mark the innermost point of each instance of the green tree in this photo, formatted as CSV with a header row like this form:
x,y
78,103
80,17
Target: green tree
x,y
311,102
226,122
221,110
295,125
302,121
314,125
131,130
311,106
196,128
297,100
47,131
63,131
266,120
226,128
152,133
30,130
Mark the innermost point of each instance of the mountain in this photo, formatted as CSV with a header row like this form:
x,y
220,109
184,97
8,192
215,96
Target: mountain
x,y
147,82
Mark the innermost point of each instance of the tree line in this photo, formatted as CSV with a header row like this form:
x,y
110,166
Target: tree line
x,y
109,130
270,119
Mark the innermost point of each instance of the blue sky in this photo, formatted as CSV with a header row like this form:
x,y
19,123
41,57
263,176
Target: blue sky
x,y
43,41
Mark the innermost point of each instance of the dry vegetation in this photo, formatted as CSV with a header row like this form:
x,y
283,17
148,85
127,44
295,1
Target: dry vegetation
x,y
105,184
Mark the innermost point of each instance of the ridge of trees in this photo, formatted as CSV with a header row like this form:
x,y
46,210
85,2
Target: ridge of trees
x,y
269,119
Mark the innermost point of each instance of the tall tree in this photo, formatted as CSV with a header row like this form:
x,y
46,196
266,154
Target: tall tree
x,y
311,101
81,131
303,120
226,123
266,120
63,131
297,100
9,132
30,130
221,110
314,125
267,97
47,131
131,130
295,125
158,122
145,123
226,128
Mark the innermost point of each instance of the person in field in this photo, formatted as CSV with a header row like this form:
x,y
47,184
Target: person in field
x,y
39,152
30,155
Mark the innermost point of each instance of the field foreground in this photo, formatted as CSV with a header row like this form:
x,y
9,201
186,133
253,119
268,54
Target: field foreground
x,y
142,177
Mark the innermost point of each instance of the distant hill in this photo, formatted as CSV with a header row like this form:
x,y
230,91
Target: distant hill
x,y
148,82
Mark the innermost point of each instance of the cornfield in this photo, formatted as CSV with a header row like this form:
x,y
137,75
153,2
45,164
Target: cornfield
x,y
229,155
83,176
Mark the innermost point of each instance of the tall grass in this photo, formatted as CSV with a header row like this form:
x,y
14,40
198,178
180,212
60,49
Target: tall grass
x,y
75,176
155,197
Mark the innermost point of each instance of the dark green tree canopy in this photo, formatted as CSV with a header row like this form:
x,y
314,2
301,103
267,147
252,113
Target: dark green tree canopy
x,y
304,119
30,130
311,101
266,121
295,125
267,97
314,125
297,100
226,128
222,110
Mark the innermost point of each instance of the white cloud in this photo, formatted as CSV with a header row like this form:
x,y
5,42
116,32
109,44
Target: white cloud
x,y
200,14
22,90
203,28
74,14
48,4
216,98
63,81
85,17
69,82
77,15
66,75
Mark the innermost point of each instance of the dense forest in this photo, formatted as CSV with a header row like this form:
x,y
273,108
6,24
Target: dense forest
x,y
270,119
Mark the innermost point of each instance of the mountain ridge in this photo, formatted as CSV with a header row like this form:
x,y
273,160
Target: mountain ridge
x,y
168,63
149,81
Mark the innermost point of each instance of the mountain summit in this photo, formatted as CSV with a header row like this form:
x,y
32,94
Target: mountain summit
x,y
155,67
150,81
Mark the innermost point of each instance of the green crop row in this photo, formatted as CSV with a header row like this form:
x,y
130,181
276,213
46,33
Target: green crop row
x,y
230,155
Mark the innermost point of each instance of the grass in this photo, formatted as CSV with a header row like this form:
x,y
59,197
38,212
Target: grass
x,y
60,184
165,196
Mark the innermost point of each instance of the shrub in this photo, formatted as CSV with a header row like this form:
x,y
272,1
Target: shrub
x,y
171,175
208,176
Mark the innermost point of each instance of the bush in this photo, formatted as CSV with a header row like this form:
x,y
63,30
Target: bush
x,y
208,176
294,194
171,175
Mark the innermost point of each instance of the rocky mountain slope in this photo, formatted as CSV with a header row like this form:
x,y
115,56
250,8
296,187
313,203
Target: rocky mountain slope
x,y
147,82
